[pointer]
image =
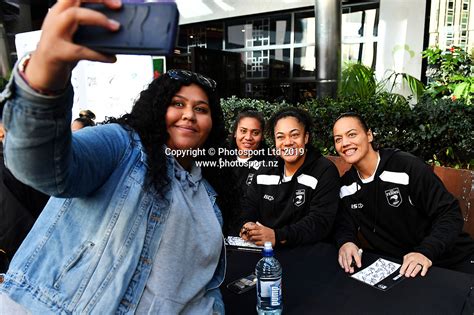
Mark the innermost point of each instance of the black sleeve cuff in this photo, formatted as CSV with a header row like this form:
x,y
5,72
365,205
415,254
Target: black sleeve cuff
x,y
425,251
281,235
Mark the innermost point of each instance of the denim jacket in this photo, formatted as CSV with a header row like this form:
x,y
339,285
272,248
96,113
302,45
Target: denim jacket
x,y
91,249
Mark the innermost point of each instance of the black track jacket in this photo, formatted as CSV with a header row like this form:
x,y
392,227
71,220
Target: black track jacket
x,y
300,211
20,205
406,208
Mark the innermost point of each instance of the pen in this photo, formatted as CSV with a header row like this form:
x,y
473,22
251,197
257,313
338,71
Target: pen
x,y
359,252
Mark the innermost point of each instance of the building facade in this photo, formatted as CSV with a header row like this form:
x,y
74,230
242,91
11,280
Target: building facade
x,y
452,24
276,49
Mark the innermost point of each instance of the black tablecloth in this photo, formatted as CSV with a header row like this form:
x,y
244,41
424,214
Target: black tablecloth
x,y
314,283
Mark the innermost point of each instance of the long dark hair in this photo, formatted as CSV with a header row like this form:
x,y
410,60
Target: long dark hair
x,y
147,118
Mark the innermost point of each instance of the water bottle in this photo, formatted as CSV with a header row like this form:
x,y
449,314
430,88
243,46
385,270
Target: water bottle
x,y
268,271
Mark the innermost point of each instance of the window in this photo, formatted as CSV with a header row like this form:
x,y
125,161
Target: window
x,y
235,35
304,62
276,60
209,36
280,30
305,28
280,63
359,37
256,63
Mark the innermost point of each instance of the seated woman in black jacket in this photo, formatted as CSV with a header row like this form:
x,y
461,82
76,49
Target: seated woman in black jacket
x,y
20,206
247,141
296,202
398,205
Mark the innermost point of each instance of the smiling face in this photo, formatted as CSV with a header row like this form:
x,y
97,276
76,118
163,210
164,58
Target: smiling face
x,y
291,140
351,141
188,118
248,135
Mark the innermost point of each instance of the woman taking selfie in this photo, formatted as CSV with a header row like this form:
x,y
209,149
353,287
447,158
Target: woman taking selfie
x,y
130,229
296,202
398,204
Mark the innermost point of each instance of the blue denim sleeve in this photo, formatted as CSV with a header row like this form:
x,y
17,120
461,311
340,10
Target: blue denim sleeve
x,y
41,151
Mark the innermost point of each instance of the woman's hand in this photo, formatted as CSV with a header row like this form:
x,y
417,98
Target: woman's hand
x,y
51,64
347,253
413,263
244,231
259,234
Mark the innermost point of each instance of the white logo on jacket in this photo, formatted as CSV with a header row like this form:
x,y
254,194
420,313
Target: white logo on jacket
x,y
357,206
299,198
249,179
268,197
394,197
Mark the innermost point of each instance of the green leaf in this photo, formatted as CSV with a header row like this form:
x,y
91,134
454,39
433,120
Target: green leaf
x,y
461,89
416,86
357,80
450,152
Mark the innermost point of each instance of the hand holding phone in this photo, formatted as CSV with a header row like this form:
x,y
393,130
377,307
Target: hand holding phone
x,y
145,29
242,285
50,65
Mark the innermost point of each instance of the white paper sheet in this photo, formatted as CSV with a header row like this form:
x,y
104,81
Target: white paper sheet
x,y
377,271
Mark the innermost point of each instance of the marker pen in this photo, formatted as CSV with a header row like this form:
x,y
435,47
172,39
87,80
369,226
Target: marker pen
x,y
359,252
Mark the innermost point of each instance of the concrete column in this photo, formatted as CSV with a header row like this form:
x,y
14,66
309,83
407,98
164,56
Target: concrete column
x,y
328,46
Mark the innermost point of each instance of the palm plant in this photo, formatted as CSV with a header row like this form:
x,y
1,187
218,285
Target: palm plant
x,y
359,80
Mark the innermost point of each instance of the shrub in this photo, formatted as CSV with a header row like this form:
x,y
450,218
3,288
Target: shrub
x,y
389,121
443,132
450,73
232,106
440,131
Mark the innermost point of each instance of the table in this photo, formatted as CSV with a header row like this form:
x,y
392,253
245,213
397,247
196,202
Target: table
x,y
314,283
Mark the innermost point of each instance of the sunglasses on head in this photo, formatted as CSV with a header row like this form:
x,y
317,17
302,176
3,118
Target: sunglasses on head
x,y
186,76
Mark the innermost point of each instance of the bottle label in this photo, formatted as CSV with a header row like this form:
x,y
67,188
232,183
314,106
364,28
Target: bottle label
x,y
271,289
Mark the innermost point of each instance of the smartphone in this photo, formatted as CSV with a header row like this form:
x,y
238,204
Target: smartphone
x,y
242,285
148,28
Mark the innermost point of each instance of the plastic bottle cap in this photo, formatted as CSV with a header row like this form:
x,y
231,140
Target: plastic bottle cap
x,y
268,245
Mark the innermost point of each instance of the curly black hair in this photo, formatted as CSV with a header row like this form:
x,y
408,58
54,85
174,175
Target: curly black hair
x,y
301,115
147,118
